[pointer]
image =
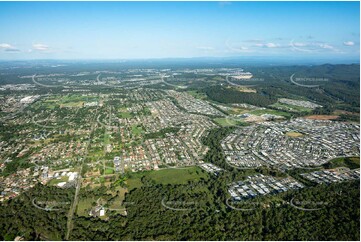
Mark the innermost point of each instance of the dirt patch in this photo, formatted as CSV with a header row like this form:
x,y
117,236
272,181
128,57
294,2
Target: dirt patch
x,y
254,118
322,117
339,112
294,134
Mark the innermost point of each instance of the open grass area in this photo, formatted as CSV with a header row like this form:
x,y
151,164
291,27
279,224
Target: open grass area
x,y
225,122
288,107
167,176
137,130
72,104
271,111
84,205
198,95
108,171
125,114
238,111
55,181
134,182
350,162
119,194
78,98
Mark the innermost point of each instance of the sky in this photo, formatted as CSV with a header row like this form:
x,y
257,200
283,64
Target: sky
x,y
142,30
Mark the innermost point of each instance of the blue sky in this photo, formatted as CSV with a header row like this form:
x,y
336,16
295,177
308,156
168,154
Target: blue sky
x,y
128,30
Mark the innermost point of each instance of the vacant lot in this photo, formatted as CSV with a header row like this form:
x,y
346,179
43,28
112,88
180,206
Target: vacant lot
x,y
322,117
294,134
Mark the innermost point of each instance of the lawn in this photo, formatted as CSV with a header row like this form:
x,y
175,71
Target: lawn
x,y
72,104
137,130
108,171
289,107
55,181
167,176
125,114
270,111
134,182
225,122
238,111
84,205
78,98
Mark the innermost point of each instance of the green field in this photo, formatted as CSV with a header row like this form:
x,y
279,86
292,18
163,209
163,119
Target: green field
x,y
108,171
225,122
119,194
84,205
137,130
55,181
78,98
167,176
289,107
72,104
271,111
198,95
350,162
125,114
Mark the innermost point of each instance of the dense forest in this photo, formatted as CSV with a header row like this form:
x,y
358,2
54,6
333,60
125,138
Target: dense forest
x,y
230,95
20,217
338,87
208,219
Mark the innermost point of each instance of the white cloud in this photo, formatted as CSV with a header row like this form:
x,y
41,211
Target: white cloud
x,y
315,46
326,46
272,45
268,45
40,47
349,43
299,44
8,47
236,47
5,46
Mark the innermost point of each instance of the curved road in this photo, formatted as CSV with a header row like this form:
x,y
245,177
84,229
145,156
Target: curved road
x,y
169,84
43,85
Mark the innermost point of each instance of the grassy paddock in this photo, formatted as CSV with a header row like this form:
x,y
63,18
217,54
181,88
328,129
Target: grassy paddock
x,y
167,176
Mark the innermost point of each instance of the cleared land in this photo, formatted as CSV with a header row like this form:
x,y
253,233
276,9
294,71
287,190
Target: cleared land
x,y
294,134
322,117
